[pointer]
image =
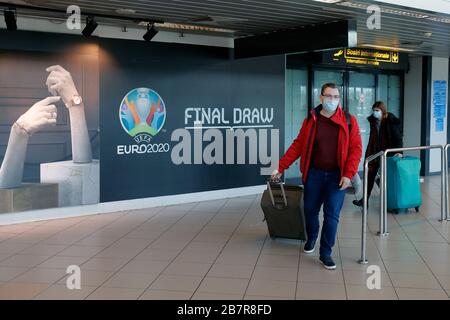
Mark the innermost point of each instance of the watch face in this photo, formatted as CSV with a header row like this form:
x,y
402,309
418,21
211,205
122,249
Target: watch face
x,y
77,100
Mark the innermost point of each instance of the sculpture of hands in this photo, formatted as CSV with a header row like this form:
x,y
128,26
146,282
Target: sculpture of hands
x,y
41,115
60,82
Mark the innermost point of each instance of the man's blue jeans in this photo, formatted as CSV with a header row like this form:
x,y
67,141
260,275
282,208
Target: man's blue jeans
x,y
322,187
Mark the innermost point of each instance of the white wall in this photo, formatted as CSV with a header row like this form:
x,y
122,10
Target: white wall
x,y
413,108
43,25
413,105
439,71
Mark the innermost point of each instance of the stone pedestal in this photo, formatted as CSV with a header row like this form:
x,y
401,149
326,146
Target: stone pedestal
x,y
79,184
29,196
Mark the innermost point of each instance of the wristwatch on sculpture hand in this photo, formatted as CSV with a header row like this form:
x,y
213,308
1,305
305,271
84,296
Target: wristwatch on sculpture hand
x,y
76,101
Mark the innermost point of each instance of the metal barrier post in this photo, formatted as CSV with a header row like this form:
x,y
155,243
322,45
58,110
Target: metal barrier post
x,y
363,259
446,181
443,185
381,218
383,182
383,194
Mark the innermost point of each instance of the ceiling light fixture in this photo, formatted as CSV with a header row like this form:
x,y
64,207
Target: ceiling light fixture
x,y
390,10
125,11
151,32
439,19
328,1
364,6
374,46
10,19
188,27
91,25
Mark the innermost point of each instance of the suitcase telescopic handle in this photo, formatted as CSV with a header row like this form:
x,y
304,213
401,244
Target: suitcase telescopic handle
x,y
269,187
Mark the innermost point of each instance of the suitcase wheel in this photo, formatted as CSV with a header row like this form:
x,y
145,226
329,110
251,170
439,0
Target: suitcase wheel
x,y
417,209
396,211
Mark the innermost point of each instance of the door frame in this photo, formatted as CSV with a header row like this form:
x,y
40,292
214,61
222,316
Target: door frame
x,y
346,78
311,67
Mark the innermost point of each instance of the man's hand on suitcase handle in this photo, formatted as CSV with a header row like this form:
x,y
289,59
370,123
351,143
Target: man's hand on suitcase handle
x,y
275,176
345,183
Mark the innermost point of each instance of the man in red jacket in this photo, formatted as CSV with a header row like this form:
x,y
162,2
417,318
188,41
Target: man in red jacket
x,y
330,149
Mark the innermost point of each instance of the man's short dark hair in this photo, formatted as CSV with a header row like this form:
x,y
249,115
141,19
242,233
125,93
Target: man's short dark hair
x,y
328,85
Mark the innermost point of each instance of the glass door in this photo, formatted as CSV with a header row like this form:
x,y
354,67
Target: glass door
x,y
322,77
361,97
389,91
358,98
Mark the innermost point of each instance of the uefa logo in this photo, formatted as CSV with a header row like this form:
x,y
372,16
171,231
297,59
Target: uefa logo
x,y
142,114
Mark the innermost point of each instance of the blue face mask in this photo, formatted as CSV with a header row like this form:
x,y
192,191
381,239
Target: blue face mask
x,y
377,114
330,105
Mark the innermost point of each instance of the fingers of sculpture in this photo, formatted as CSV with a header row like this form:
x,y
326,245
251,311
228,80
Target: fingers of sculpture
x,y
60,82
41,115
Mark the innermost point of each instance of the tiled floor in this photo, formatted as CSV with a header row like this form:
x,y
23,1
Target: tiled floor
x,y
221,250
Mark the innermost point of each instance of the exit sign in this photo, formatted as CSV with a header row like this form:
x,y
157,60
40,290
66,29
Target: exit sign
x,y
382,59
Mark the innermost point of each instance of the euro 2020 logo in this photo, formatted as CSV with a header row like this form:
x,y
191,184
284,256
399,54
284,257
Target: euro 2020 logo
x,y
142,114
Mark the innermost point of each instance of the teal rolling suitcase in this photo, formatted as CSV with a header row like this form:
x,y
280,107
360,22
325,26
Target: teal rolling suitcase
x,y
403,184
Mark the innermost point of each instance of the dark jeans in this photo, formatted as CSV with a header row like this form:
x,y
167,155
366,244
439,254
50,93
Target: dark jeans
x,y
322,187
373,171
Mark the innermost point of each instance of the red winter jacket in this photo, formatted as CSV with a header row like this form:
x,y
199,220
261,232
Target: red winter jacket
x,y
349,149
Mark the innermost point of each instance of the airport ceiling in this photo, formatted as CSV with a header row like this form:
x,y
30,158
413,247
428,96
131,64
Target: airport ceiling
x,y
424,32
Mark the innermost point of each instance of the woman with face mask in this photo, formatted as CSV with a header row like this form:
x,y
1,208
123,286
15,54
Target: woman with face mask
x,y
385,133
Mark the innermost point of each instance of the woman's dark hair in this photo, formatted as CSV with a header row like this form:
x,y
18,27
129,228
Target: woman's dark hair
x,y
380,105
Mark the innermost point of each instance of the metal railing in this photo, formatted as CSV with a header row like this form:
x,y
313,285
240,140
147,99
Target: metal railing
x,y
383,191
384,231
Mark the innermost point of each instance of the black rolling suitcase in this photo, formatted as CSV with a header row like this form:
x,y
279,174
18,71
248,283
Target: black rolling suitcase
x,y
283,210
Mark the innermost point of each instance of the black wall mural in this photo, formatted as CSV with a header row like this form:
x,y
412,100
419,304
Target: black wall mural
x,y
180,83
200,79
